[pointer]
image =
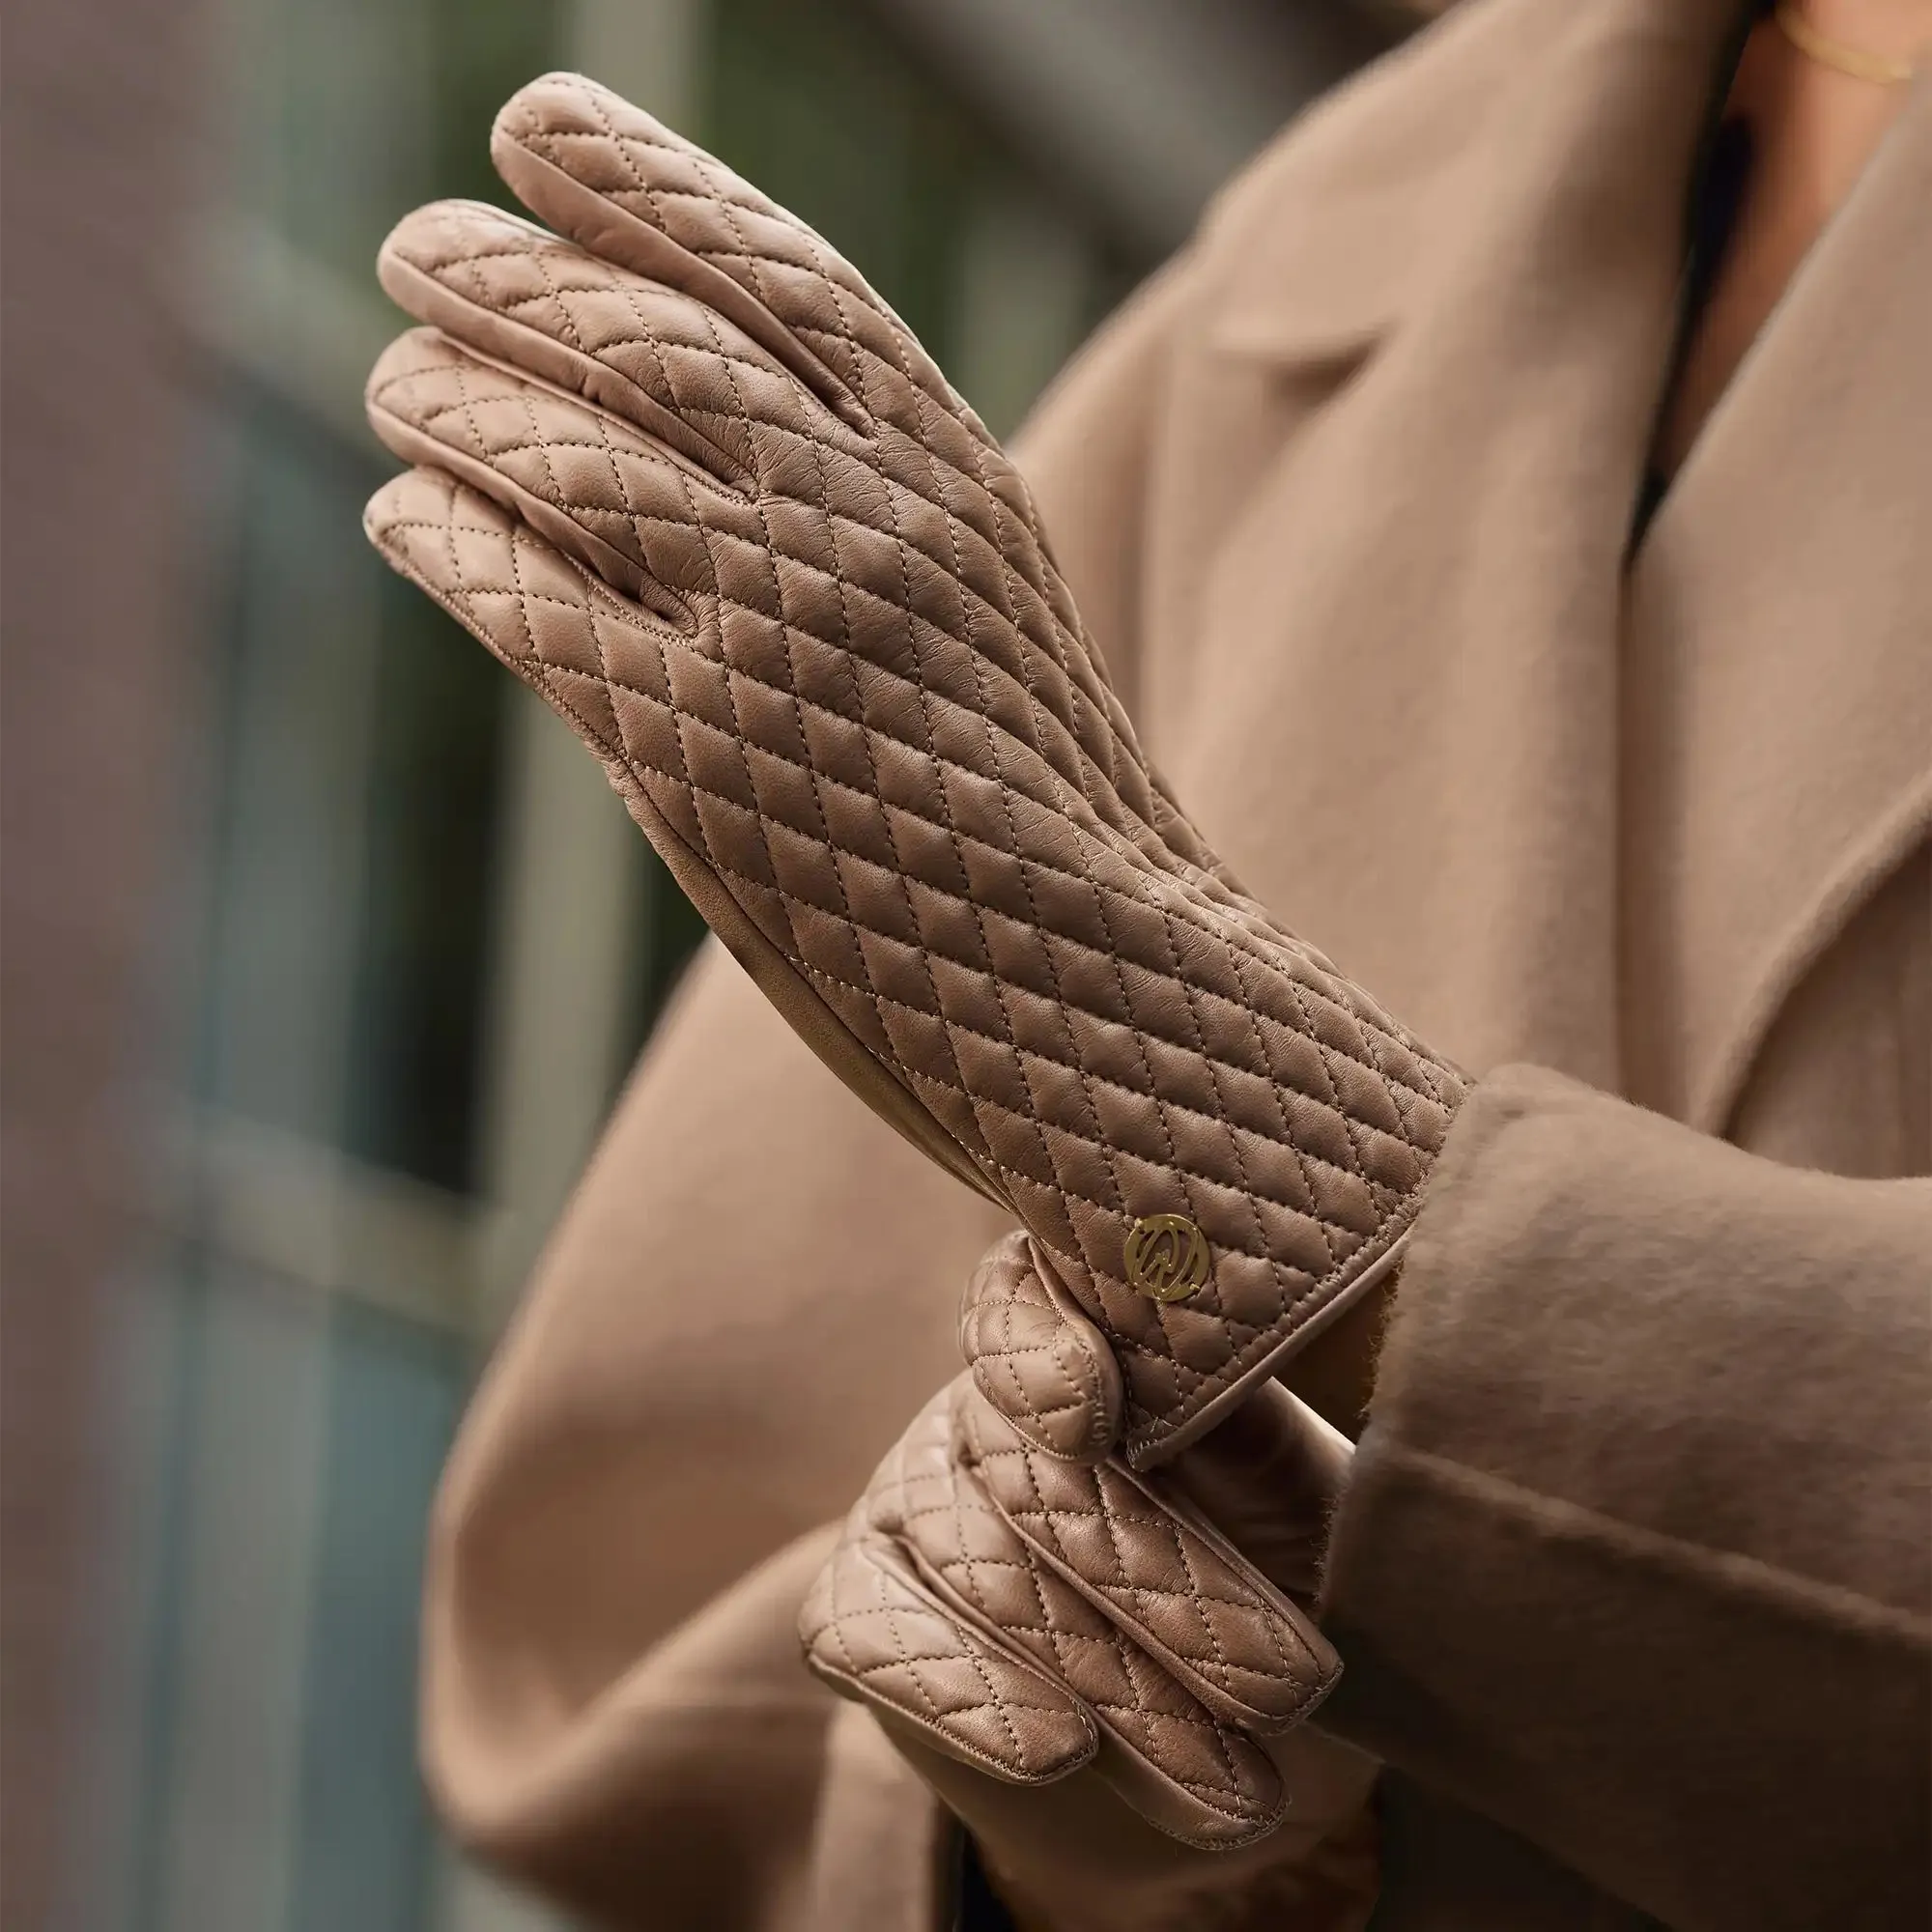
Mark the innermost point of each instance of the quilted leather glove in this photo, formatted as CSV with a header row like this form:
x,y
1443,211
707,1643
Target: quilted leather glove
x,y
690,478
1090,1663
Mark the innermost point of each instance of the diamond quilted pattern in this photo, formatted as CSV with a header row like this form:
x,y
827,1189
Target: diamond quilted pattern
x,y
935,1607
868,1628
1032,1362
1193,1601
842,684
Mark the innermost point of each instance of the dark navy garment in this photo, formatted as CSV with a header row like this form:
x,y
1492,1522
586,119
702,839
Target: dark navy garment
x,y
1718,185
1714,219
979,1906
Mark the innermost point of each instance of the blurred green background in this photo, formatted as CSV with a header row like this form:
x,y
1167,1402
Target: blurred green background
x,y
404,944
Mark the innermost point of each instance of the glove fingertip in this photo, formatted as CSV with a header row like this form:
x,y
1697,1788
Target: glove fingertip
x,y
871,1632
1036,1359
418,499
1202,1783
563,103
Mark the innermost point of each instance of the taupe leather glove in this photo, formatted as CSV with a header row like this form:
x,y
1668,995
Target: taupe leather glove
x,y
1088,1662
687,475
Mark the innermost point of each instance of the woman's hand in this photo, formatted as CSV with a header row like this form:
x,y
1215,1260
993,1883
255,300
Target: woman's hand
x,y
1105,1673
686,474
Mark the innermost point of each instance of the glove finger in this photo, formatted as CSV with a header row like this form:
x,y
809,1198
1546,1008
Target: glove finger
x,y
650,355
653,705
592,166
1179,1589
1035,1357
873,1630
1186,1771
559,628
600,489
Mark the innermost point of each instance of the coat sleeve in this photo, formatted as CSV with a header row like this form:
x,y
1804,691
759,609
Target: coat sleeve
x,y
1637,1557
757,1282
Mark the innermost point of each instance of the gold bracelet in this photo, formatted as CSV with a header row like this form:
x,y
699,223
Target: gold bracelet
x,y
1884,69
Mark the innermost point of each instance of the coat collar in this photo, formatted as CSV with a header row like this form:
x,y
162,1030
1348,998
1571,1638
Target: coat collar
x,y
1777,707
1474,252
1338,234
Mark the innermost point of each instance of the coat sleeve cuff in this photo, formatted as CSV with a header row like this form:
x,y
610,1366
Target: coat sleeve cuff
x,y
1637,1530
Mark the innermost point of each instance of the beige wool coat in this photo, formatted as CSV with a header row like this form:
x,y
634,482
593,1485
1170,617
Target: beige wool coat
x,y
1631,1582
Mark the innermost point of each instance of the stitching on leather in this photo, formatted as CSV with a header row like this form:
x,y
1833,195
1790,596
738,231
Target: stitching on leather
x,y
904,1660
647,336
1198,883
1253,1332
1288,1139
819,779
995,1347
1088,1649
960,1543
951,827
726,191
1204,888
717,184
1033,906
1174,1538
1093,731
652,333
1215,1070
708,173
899,1504
621,753
1329,1097
1052,1640
538,259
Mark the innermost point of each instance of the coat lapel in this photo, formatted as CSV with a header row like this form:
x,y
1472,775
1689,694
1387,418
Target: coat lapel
x,y
1553,808
1416,599
1778,698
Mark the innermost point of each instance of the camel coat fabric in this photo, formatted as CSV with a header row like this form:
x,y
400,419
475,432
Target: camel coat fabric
x,y
1632,1582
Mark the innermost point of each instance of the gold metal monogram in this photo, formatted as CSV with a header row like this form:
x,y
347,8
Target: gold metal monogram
x,y
1167,1256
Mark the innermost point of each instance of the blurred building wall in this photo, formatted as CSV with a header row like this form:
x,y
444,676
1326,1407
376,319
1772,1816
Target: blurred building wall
x,y
306,1033
99,100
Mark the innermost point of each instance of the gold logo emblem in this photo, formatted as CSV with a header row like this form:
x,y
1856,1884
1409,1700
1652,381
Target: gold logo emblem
x,y
1167,1256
